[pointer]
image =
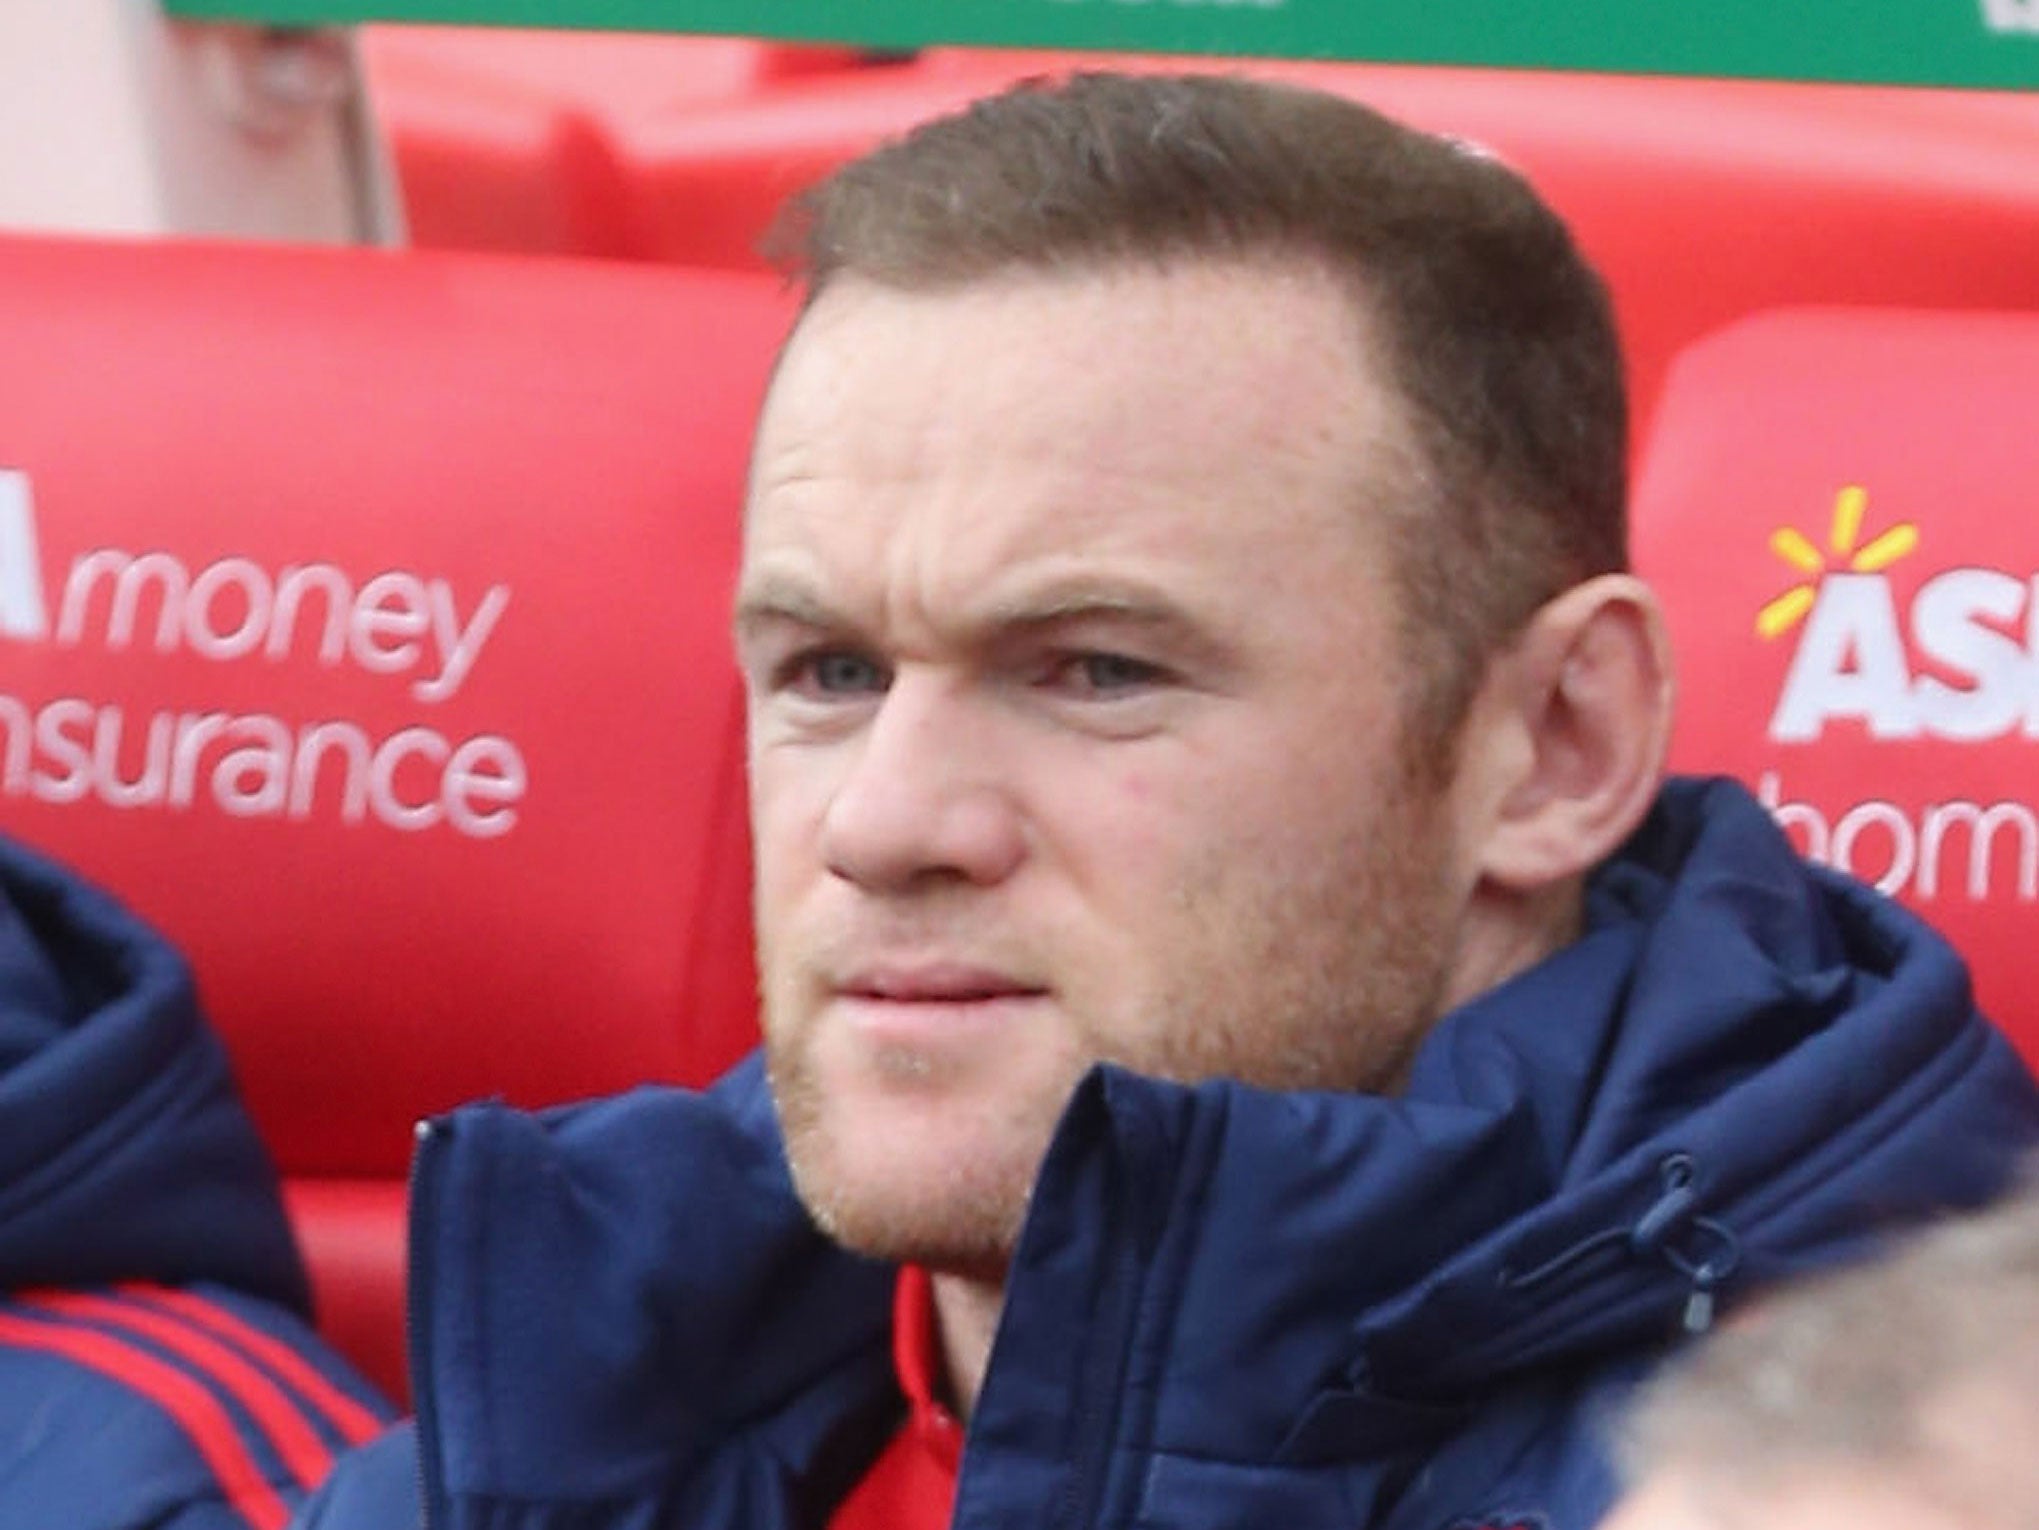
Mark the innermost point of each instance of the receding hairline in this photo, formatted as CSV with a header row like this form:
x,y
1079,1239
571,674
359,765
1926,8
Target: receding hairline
x,y
1137,133
1369,358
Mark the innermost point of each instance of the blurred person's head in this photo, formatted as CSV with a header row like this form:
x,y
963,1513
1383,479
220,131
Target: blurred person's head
x,y
1903,1393
1185,623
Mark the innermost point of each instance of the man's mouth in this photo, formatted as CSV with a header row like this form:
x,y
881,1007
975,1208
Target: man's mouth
x,y
933,983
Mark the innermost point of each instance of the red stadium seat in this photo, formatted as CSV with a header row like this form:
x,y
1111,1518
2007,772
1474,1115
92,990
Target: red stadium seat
x,y
1838,507
1701,200
500,138
376,650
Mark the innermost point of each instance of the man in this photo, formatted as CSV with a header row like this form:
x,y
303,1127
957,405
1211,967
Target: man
x,y
158,1369
1232,984
1902,1393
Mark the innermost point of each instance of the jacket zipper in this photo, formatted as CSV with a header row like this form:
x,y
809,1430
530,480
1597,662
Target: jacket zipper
x,y
430,1486
1585,1276
1585,1282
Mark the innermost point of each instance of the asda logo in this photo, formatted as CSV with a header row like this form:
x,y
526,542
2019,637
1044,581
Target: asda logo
x,y
1959,661
417,630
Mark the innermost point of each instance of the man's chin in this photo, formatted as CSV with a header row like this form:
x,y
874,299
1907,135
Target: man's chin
x,y
967,1223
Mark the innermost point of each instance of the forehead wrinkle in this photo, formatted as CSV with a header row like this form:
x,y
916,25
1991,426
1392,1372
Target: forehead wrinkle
x,y
1298,392
1072,598
1080,600
1294,387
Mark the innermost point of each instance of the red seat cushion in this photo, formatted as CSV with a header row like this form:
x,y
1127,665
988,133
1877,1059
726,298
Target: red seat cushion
x,y
1837,507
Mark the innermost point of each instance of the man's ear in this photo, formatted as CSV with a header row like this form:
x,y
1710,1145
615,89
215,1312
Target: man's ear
x,y
1583,699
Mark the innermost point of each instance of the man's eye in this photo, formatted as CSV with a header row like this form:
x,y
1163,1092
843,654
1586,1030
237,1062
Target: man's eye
x,y
835,672
1109,673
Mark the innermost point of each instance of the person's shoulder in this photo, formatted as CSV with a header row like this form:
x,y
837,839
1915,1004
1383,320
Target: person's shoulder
x,y
373,1488
141,1404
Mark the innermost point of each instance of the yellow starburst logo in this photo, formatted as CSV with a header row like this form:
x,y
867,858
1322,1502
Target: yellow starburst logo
x,y
1797,549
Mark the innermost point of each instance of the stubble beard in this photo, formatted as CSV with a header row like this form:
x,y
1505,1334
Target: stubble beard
x,y
956,1214
1324,983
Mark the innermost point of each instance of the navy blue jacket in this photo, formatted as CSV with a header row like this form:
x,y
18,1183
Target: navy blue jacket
x,y
1230,1307
154,1354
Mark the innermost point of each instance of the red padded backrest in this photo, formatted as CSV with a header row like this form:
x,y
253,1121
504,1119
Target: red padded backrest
x,y
1700,200
1838,507
363,624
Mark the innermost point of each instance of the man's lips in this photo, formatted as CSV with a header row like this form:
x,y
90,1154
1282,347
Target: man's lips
x,y
955,1010
933,983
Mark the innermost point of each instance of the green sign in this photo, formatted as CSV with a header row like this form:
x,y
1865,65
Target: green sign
x,y
1971,43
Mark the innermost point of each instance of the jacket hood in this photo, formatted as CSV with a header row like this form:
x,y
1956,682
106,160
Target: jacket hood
x,y
124,1150
1741,1070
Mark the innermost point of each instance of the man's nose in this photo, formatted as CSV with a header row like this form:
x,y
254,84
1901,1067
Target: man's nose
x,y
923,799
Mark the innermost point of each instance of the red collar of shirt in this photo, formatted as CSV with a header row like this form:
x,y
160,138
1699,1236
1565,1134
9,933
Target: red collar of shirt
x,y
912,1484
916,1356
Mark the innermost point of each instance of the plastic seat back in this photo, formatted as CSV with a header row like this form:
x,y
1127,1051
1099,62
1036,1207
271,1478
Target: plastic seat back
x,y
1838,508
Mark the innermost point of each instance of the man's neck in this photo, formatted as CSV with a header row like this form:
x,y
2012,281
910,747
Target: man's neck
x,y
966,1316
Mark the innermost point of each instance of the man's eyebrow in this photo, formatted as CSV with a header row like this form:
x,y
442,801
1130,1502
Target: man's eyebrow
x,y
777,598
1107,607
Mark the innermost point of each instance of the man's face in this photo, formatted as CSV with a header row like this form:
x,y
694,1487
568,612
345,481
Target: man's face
x,y
1074,728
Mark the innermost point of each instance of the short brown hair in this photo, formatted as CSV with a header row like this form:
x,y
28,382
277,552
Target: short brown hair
x,y
1498,334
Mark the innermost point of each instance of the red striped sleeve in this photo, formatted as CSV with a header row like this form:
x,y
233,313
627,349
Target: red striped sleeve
x,y
287,1428
195,1411
354,1423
